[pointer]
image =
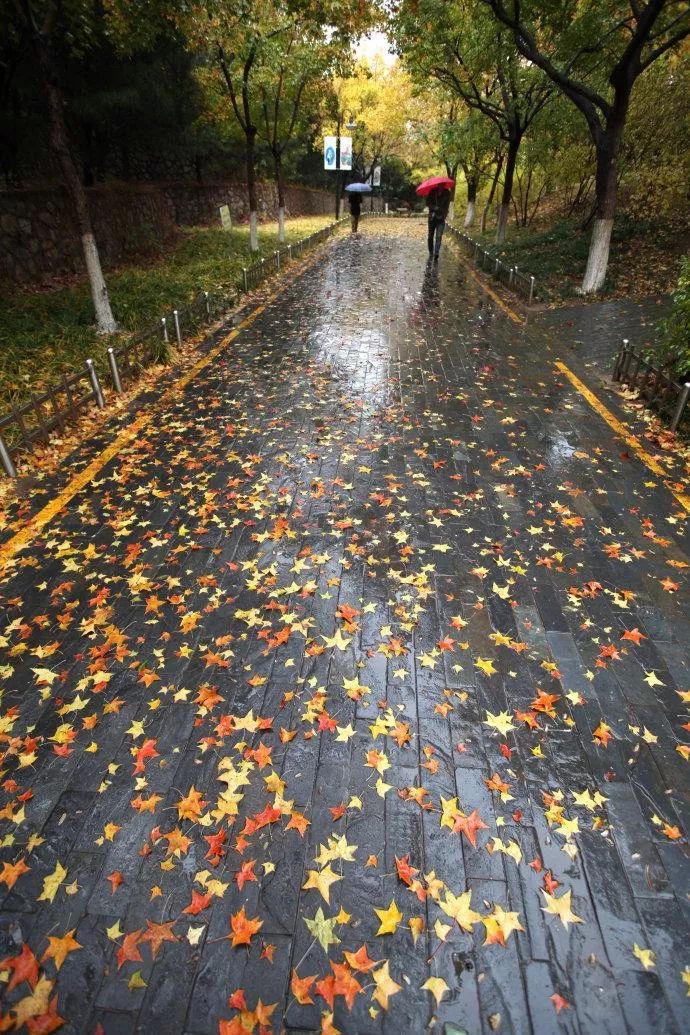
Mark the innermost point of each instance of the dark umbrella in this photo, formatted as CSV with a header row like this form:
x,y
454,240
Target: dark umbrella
x,y
435,181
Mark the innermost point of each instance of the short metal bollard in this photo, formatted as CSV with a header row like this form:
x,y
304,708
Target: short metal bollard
x,y
244,278
6,460
95,384
164,327
208,305
290,251
114,371
531,290
176,318
618,368
628,355
680,407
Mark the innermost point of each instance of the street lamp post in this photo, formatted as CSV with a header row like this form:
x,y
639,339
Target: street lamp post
x,y
337,168
351,125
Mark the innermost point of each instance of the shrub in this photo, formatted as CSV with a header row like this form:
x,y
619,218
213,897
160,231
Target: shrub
x,y
674,345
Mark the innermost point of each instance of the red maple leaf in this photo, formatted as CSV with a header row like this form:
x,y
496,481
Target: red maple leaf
x,y
469,825
198,903
24,967
246,873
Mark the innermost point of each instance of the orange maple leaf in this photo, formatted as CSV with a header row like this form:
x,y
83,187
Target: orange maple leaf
x,y
300,987
191,806
11,872
115,879
129,950
156,934
243,928
345,984
469,825
360,960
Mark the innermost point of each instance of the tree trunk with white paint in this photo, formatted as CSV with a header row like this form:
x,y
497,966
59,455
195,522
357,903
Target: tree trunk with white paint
x,y
504,211
281,198
250,135
502,224
254,231
489,200
600,241
105,321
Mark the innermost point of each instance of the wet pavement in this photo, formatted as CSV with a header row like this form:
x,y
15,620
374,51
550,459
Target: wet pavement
x,y
353,694
594,332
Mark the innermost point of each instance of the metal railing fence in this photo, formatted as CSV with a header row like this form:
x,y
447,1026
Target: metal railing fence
x,y
31,422
513,278
659,390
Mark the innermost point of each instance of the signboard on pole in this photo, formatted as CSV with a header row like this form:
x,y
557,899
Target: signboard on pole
x,y
225,217
330,150
346,152
376,178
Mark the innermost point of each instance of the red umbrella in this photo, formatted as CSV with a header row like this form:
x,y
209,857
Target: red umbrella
x,y
435,181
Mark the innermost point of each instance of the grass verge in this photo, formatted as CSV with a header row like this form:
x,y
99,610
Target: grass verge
x,y
46,333
645,256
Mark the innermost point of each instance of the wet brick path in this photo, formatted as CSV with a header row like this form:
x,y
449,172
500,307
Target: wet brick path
x,y
594,333
354,695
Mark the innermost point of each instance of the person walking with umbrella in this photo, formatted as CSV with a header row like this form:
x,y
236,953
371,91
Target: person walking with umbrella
x,y
355,210
354,193
438,191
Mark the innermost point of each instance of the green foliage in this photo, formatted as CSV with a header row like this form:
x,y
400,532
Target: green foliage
x,y
644,255
674,345
44,334
133,108
655,153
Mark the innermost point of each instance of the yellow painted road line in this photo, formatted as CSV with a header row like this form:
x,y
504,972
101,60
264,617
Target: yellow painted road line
x,y
81,480
633,443
511,313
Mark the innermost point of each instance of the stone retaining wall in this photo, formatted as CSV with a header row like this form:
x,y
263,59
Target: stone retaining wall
x,y
38,240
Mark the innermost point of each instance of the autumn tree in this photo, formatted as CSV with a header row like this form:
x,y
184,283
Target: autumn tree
x,y
377,101
469,56
477,145
294,68
233,39
249,42
594,54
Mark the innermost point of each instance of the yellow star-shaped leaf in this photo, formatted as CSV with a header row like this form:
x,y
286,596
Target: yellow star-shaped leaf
x,y
645,956
501,722
459,909
437,987
385,985
321,880
390,918
561,907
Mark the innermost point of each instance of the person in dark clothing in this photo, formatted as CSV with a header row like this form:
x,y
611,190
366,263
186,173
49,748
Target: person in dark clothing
x,y
439,203
355,209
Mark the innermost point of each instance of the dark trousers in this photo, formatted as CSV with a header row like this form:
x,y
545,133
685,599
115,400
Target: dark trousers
x,y
355,220
436,228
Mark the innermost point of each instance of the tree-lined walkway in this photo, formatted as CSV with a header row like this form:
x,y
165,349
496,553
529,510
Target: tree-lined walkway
x,y
354,694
